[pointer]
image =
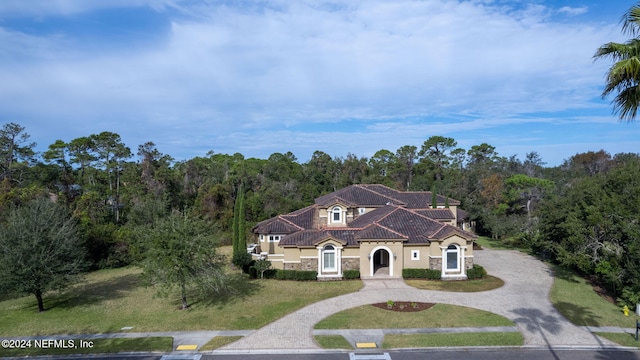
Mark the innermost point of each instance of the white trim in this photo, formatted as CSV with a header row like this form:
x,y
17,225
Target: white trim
x,y
308,257
416,253
291,261
351,257
371,256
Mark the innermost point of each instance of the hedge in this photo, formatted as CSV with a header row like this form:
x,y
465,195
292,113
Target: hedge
x,y
351,274
298,275
476,272
421,274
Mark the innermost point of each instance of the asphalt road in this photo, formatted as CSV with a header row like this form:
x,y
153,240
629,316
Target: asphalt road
x,y
431,354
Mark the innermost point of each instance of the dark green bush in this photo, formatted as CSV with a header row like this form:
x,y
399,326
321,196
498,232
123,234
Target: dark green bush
x,y
433,274
414,273
476,272
351,274
298,275
421,274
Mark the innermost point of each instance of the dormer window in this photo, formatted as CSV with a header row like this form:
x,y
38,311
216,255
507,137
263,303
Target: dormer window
x,y
336,215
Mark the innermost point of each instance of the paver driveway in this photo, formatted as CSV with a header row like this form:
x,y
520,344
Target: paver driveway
x,y
523,299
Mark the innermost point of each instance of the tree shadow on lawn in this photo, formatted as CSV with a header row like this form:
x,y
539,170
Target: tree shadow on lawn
x,y
578,315
237,287
564,273
85,293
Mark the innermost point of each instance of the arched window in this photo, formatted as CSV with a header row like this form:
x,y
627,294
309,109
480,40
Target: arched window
x,y
329,258
453,253
336,215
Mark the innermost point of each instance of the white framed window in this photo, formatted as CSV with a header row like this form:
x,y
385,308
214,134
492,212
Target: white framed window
x,y
336,214
329,258
415,254
452,256
361,210
275,238
261,237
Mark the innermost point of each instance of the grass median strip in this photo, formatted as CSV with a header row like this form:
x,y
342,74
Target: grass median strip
x,y
464,339
93,346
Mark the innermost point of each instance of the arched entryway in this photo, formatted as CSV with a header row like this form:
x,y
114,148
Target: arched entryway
x,y
381,262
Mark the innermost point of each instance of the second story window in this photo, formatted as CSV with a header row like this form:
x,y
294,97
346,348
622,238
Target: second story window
x,y
336,215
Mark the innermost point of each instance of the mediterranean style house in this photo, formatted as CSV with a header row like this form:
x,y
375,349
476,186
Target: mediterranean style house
x,y
371,228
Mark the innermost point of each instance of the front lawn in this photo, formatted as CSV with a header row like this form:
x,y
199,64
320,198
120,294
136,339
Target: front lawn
x,y
438,316
575,298
486,283
115,298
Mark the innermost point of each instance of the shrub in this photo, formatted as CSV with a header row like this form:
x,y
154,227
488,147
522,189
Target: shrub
x,y
433,274
297,275
351,274
414,273
476,272
421,274
241,259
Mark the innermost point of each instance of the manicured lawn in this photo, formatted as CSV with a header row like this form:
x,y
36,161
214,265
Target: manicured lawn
x,y
98,346
578,302
622,339
487,283
438,316
440,340
504,244
112,299
219,341
332,342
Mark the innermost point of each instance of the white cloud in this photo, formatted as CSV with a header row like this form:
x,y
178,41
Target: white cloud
x,y
573,11
245,68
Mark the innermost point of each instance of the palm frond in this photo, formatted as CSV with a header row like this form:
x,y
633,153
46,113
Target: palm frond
x,y
631,21
625,105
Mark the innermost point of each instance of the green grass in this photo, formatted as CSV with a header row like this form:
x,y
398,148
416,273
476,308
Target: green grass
x,y
476,285
332,342
438,316
503,244
439,340
219,341
111,299
163,344
623,339
577,301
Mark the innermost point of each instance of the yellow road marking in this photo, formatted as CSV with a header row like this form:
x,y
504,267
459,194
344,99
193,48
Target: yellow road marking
x,y
366,345
187,347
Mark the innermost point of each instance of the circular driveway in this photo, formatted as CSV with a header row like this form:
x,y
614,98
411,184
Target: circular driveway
x,y
524,299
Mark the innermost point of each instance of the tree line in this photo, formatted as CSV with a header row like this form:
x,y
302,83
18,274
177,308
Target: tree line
x,y
582,213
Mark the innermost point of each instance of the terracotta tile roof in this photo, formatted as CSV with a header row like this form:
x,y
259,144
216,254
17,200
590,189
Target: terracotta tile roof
x,y
311,238
357,195
437,214
403,216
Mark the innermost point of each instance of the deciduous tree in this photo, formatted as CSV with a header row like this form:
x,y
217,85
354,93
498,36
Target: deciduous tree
x,y
182,254
40,249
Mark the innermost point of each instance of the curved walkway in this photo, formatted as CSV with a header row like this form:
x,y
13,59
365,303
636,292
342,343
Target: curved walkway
x,y
524,299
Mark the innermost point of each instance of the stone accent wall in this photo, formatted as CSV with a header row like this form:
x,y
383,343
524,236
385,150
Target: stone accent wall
x,y
468,262
308,265
291,266
435,263
350,264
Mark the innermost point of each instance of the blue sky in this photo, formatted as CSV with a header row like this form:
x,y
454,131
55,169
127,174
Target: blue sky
x,y
259,77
